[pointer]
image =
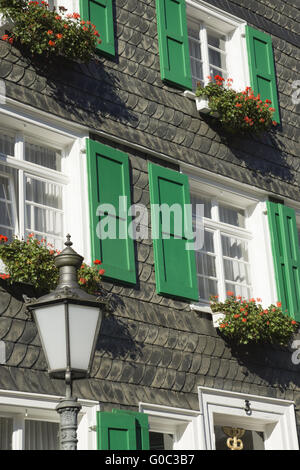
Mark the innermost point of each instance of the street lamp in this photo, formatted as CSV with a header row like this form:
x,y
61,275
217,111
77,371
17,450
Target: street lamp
x,y
68,320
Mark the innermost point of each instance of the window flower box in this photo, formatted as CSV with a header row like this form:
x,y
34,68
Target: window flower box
x,y
248,322
217,318
238,112
40,31
202,104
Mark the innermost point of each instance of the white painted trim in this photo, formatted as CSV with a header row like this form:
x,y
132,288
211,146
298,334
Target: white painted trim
x,y
73,175
275,417
183,424
256,233
233,28
38,406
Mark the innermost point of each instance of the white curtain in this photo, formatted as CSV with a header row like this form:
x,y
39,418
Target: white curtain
x,y
41,435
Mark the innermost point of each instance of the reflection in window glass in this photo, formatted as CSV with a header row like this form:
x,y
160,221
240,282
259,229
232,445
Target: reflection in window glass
x,y
43,209
232,216
251,440
43,156
161,441
6,207
7,144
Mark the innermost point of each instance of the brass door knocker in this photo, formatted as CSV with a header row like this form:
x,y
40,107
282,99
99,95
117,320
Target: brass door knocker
x,y
234,441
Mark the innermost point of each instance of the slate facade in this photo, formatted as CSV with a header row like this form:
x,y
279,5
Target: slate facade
x,y
154,349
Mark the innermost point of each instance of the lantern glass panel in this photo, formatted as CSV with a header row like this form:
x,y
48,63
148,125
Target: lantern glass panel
x,y
52,328
83,322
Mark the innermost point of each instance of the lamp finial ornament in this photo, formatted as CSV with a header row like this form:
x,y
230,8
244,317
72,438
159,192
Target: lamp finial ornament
x,y
68,242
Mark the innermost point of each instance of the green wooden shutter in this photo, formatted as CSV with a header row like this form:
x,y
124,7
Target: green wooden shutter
x,y
100,13
286,256
262,68
108,179
175,266
174,52
122,430
141,426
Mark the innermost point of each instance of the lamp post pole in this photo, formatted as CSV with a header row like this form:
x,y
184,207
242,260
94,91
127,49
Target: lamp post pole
x,y
68,409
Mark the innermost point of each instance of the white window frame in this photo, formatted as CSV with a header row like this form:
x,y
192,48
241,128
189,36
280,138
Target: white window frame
x,y
274,417
218,228
23,405
71,140
233,29
13,200
253,201
184,425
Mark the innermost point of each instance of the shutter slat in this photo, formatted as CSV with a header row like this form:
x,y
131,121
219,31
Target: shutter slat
x,y
262,68
100,13
173,43
175,265
108,179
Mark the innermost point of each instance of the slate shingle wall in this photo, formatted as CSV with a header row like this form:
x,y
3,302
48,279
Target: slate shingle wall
x,y
151,348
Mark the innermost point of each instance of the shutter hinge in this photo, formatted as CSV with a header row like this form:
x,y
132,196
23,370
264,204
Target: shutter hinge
x,y
93,428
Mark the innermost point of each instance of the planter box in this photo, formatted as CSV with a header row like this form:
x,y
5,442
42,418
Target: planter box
x,y
217,317
202,104
5,24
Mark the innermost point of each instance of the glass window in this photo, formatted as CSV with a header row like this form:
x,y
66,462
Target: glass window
x,y
245,439
44,156
6,432
7,144
41,435
223,260
207,53
161,441
31,200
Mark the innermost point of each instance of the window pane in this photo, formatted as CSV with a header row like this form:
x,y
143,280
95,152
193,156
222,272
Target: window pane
x,y
252,440
214,71
206,264
44,156
207,287
43,210
195,199
43,192
6,208
234,248
161,441
7,144
236,271
206,268
41,435
6,430
216,40
195,55
238,289
232,216
217,59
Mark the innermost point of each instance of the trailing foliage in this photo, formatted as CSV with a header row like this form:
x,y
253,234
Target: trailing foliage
x,y
246,321
52,33
238,112
31,261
